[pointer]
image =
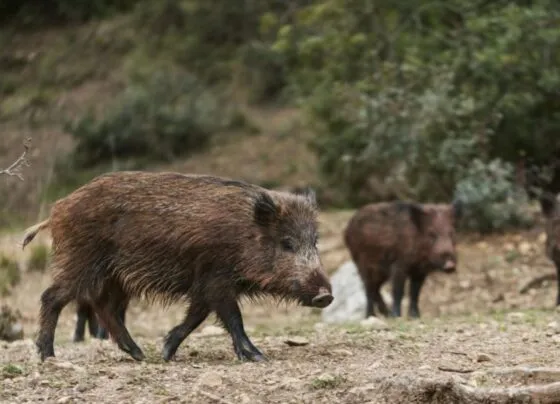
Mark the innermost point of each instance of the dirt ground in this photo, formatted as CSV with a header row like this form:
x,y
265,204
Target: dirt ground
x,y
477,333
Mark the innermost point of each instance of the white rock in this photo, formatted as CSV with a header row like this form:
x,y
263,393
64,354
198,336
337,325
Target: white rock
x,y
349,302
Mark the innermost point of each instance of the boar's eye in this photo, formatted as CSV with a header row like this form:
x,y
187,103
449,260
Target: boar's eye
x,y
288,245
433,236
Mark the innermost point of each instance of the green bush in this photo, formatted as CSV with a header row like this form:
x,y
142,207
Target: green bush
x,y
10,275
263,71
169,115
426,100
493,201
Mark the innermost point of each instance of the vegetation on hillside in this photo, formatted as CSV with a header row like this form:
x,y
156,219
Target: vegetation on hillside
x,y
424,100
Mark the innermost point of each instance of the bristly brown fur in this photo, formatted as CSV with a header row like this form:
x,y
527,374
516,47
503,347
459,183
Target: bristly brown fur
x,y
168,236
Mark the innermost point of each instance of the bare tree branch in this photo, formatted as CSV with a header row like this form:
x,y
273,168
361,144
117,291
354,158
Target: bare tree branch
x,y
15,168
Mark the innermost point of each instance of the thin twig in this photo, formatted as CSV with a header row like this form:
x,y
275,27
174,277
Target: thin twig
x,y
456,353
15,168
446,369
538,281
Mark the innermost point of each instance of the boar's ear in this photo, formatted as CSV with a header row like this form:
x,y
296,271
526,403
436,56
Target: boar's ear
x,y
265,209
549,205
417,215
457,208
308,193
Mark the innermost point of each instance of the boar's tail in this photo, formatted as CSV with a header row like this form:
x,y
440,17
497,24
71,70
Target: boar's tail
x,y
32,231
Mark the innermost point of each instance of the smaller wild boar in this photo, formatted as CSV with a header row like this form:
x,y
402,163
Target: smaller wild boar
x,y
170,237
550,206
400,240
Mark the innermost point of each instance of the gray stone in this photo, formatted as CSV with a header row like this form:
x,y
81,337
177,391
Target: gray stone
x,y
349,304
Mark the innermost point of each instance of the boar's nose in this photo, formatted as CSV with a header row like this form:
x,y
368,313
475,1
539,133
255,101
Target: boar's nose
x,y
323,299
449,266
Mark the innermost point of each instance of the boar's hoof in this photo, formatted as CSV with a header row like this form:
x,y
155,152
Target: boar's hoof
x,y
44,353
251,356
135,352
322,300
168,352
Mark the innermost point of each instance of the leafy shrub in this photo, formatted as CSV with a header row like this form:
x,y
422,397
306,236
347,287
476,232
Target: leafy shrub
x,y
446,101
170,115
10,275
263,71
38,259
492,198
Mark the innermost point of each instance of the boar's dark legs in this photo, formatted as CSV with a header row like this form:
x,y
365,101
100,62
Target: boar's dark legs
x,y
369,305
53,301
416,282
119,332
85,314
374,298
99,331
229,314
381,306
107,307
197,313
398,282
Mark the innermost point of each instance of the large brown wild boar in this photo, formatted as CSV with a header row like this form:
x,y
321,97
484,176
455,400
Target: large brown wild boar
x,y
168,236
550,206
398,240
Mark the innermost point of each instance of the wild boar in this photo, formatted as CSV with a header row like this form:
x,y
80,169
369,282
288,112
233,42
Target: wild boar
x,y
550,206
169,236
400,240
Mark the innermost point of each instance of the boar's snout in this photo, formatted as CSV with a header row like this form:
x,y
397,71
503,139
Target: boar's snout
x,y
316,291
449,266
323,299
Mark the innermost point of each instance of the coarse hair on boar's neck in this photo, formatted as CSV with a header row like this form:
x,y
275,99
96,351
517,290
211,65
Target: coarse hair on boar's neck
x,y
550,206
399,240
168,236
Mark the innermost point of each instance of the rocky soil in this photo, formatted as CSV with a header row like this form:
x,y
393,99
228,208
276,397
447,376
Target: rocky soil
x,y
480,340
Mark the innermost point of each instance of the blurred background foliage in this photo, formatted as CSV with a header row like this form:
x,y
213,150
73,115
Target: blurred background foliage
x,y
420,100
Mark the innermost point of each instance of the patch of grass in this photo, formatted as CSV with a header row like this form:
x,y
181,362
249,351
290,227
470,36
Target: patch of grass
x,y
512,256
39,258
327,381
10,370
10,275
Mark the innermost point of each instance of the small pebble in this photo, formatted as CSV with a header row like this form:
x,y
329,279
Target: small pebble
x,y
483,358
296,341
